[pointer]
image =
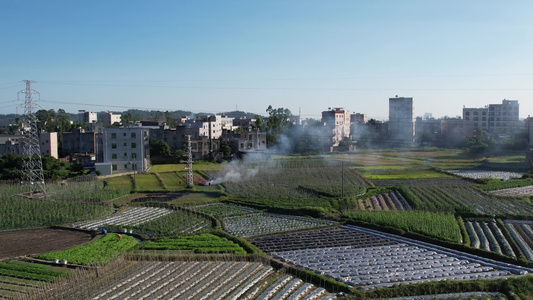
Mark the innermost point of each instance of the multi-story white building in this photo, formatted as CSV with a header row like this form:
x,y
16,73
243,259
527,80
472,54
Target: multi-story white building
x,y
401,121
127,149
87,117
110,118
503,118
338,121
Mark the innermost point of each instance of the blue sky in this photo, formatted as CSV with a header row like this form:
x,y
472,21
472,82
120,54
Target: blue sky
x,y
213,56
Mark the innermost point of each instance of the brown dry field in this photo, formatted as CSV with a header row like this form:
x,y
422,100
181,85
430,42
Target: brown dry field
x,y
38,241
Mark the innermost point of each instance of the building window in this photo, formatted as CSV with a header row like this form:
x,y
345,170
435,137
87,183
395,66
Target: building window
x,y
125,154
124,134
125,144
113,146
133,145
133,135
125,166
114,167
114,156
134,155
475,113
114,135
467,113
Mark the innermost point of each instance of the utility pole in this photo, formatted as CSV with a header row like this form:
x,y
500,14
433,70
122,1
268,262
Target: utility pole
x,y
190,181
32,165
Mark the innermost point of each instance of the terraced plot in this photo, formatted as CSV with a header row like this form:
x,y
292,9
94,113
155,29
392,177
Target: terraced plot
x,y
462,198
151,221
488,236
191,280
390,201
484,174
522,233
244,221
383,259
518,191
130,217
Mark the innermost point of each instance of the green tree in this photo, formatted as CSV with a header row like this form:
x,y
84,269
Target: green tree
x,y
159,148
278,122
480,142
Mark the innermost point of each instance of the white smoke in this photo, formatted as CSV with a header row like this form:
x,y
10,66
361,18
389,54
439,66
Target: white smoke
x,y
234,171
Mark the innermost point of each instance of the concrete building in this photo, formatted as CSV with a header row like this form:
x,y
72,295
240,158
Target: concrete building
x,y
476,117
401,121
246,141
337,123
503,118
529,130
427,131
127,149
111,118
15,143
82,142
244,123
87,117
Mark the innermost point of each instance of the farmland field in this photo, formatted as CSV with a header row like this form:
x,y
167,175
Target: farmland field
x,y
242,221
380,260
190,280
292,179
266,205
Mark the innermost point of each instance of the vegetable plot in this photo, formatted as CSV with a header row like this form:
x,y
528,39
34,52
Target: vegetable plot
x,y
192,280
202,243
488,236
522,233
131,217
98,252
19,278
479,174
386,261
244,221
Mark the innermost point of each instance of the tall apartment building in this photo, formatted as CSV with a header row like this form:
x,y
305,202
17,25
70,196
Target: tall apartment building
x,y
476,117
337,120
401,121
503,118
127,149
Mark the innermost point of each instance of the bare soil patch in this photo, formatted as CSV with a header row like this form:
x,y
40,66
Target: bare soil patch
x,y
38,241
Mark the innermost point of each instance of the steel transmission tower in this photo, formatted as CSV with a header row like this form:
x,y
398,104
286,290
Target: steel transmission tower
x,y
32,166
190,181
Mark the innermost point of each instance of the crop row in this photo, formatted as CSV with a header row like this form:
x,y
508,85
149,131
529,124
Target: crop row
x,y
438,225
488,236
177,280
18,278
442,182
18,212
96,252
202,243
220,210
243,221
400,261
479,174
290,181
522,233
130,217
267,223
386,201
517,191
466,199
178,222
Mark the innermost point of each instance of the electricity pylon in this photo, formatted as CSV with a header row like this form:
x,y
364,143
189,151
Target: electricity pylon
x,y
32,165
190,180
